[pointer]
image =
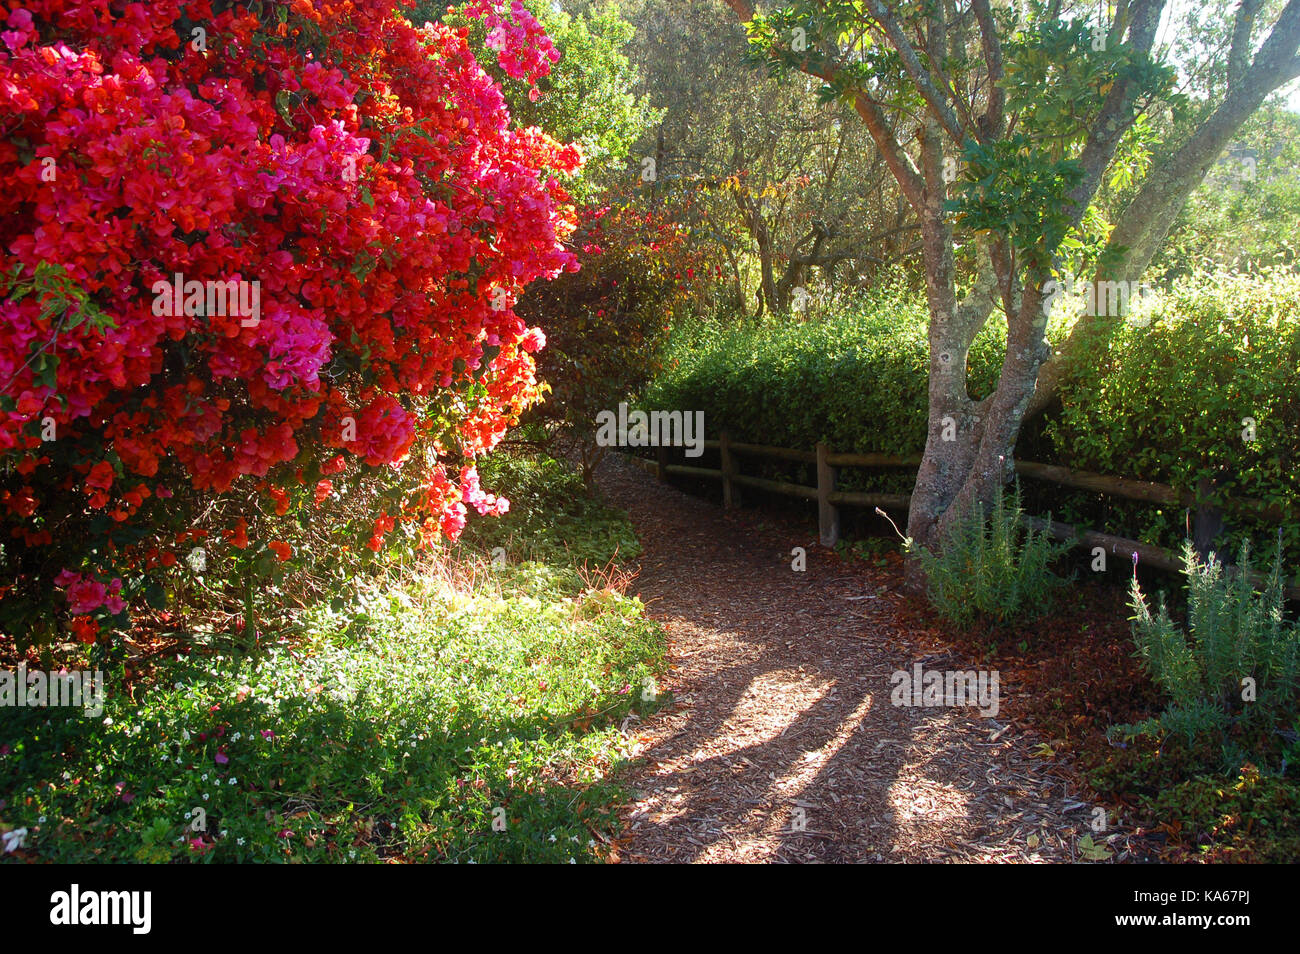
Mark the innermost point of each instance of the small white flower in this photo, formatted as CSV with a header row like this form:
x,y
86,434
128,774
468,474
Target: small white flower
x,y
13,840
205,796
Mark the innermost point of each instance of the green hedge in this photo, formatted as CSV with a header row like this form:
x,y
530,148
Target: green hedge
x,y
1167,402
1164,402
856,381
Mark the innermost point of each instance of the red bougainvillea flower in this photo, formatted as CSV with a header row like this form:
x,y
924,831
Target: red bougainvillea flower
x,y
322,493
281,549
83,628
85,594
100,476
291,254
238,535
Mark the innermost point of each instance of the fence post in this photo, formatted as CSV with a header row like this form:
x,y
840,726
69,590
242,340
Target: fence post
x,y
828,515
1209,519
729,495
661,464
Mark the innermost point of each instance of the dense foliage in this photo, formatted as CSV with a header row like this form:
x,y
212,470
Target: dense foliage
x,y
356,182
465,714
1206,391
607,324
855,379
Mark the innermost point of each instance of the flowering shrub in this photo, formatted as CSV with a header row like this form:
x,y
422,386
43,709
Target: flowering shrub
x,y
250,249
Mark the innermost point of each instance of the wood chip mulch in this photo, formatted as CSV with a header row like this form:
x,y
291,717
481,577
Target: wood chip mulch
x,y
780,743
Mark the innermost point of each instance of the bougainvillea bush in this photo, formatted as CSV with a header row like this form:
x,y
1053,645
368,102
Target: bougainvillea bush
x,y
252,252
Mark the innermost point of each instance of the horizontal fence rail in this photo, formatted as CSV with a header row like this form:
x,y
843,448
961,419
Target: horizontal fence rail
x,y
1209,507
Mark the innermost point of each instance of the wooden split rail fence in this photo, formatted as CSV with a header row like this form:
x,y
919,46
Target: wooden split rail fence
x,y
1207,522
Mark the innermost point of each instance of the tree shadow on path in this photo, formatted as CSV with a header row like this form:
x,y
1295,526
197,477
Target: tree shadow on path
x,y
781,743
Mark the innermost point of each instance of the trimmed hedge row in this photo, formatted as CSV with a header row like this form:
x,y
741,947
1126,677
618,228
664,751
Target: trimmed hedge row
x,y
856,381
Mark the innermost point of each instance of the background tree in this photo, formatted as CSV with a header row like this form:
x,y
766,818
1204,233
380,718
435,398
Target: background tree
x,y
1237,54
1027,107
1247,210
795,194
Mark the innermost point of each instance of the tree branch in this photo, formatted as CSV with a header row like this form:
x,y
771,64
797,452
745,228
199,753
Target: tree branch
x,y
896,157
1242,29
1115,116
994,119
937,100
1146,220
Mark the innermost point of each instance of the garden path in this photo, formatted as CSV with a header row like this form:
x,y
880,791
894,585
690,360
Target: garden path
x,y
780,743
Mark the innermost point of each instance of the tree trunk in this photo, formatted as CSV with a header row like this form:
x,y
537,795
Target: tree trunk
x,y
955,423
